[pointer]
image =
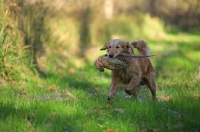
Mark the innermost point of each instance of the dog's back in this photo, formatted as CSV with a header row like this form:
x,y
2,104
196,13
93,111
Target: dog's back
x,y
145,63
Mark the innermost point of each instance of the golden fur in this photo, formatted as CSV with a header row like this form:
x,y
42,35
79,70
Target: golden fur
x,y
141,71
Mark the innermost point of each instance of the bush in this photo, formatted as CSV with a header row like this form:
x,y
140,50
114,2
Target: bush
x,y
12,55
10,47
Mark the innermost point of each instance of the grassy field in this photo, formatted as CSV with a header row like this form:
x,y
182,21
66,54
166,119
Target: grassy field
x,y
74,98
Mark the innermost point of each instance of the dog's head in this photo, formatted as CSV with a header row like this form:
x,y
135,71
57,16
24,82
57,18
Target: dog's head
x,y
117,46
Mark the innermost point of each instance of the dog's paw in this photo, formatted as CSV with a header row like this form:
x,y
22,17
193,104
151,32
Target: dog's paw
x,y
109,98
155,99
129,92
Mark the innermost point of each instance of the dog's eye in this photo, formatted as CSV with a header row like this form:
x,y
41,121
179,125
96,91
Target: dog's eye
x,y
109,46
117,47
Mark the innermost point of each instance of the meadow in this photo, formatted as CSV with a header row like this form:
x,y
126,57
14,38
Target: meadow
x,y
76,99
71,94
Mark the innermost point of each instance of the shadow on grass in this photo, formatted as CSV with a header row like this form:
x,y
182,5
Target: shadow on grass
x,y
181,114
87,80
37,116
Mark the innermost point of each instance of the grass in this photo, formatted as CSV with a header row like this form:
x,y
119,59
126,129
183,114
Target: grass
x,y
73,95
75,99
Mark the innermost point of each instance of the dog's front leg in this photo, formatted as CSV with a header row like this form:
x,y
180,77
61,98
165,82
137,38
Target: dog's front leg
x,y
134,85
114,85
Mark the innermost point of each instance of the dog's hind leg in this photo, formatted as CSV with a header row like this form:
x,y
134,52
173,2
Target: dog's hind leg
x,y
150,80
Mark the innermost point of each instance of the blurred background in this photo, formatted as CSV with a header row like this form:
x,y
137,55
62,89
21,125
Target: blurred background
x,y
38,34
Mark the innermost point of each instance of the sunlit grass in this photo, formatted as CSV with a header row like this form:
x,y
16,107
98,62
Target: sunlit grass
x,y
73,94
76,100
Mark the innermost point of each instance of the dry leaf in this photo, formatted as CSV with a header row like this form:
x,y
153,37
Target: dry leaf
x,y
96,89
26,47
72,70
109,130
165,98
108,106
52,88
7,64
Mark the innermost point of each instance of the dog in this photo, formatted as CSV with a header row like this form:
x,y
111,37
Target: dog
x,y
140,70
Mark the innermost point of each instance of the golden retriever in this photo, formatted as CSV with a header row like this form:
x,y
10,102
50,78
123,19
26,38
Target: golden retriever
x,y
141,71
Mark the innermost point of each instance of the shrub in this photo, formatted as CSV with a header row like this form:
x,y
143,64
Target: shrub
x,y
12,55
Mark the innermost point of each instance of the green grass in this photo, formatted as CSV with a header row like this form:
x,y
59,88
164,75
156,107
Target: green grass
x,y
76,99
72,96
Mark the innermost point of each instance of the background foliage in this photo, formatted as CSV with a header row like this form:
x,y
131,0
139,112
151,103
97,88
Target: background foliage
x,y
72,28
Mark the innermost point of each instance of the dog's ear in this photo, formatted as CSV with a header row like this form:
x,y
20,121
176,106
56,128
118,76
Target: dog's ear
x,y
104,47
130,47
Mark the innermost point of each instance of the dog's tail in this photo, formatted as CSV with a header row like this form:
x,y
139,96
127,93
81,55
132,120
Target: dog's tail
x,y
142,47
